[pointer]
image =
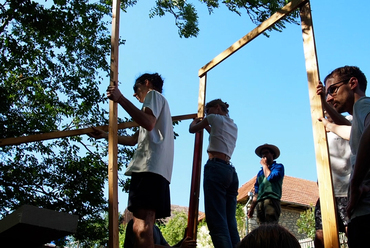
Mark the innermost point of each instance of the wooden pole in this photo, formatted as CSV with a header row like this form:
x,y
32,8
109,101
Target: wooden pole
x,y
195,187
197,166
112,134
68,133
329,222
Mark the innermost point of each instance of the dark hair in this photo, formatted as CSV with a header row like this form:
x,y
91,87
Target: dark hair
x,y
271,236
155,79
347,72
224,106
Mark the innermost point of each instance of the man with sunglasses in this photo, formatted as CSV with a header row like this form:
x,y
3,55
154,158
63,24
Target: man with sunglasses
x,y
345,87
340,165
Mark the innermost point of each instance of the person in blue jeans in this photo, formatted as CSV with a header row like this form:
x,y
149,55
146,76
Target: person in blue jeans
x,y
220,181
268,186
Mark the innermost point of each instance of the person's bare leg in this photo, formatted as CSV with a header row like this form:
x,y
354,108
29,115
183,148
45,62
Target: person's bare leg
x,y
319,239
143,228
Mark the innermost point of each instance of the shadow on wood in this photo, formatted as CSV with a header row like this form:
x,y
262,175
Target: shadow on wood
x,y
30,226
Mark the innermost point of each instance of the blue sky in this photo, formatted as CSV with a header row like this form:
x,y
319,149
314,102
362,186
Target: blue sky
x,y
265,82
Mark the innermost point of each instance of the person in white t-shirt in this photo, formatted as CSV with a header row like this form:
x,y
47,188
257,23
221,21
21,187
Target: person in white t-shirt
x,y
151,166
220,182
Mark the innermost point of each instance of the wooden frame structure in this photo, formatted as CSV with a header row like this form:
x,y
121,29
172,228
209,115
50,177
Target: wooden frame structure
x,y
319,134
321,149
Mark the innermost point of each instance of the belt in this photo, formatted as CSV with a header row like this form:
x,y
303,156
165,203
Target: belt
x,y
220,160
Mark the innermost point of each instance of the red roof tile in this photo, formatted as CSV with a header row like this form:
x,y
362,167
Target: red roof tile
x,y
295,190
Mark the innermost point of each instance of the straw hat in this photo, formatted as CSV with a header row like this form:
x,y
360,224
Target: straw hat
x,y
273,148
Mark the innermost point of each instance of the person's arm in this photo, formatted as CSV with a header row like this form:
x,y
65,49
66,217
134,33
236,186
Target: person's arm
x,y
265,167
277,172
145,118
122,139
335,116
360,169
187,242
198,124
342,131
253,205
128,140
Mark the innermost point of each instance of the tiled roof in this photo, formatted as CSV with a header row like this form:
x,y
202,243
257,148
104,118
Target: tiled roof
x,y
296,191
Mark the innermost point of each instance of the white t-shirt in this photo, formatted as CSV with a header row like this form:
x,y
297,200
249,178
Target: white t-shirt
x,y
155,149
223,134
361,109
340,164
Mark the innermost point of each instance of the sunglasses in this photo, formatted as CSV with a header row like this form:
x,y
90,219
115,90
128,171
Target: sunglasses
x,y
333,89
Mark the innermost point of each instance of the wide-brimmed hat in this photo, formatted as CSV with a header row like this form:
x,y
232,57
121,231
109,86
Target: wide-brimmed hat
x,y
273,148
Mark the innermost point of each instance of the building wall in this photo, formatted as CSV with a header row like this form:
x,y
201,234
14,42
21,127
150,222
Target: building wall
x,y
288,219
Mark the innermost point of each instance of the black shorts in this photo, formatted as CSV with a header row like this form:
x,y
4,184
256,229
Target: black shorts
x,y
340,210
149,191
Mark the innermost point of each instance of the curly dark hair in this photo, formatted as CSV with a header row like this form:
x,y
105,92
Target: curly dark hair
x,y
347,72
154,78
224,105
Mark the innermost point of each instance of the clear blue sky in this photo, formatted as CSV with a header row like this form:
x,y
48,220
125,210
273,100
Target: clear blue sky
x,y
265,82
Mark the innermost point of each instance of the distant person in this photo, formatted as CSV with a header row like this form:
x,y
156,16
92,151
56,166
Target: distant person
x,y
151,166
268,187
346,88
339,152
220,179
159,240
269,236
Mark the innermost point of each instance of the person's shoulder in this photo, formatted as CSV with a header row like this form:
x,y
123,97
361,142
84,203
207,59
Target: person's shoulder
x,y
276,164
217,117
363,100
362,105
154,93
155,96
211,117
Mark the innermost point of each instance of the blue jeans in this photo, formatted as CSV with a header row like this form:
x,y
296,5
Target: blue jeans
x,y
220,186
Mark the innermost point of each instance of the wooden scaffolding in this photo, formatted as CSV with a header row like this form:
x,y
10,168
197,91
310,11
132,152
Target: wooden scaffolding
x,y
321,149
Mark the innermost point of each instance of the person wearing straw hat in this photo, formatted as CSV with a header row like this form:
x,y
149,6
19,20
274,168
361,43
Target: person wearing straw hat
x,y
268,186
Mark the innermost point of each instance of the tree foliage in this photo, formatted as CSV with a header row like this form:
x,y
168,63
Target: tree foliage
x,y
186,17
241,219
306,223
54,57
51,59
173,231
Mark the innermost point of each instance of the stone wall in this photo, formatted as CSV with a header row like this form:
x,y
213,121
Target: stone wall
x,y
288,219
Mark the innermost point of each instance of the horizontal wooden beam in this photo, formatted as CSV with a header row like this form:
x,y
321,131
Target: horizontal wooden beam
x,y
283,12
68,133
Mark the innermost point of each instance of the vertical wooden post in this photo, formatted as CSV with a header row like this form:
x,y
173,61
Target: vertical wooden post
x,y
197,167
329,221
112,136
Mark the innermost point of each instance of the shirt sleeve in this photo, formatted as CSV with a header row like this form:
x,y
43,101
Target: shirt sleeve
x,y
154,101
256,185
211,119
277,173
